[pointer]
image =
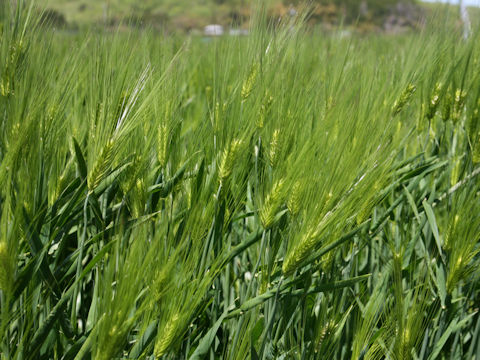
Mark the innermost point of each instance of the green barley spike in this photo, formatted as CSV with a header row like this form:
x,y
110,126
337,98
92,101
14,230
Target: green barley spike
x,y
458,104
272,204
300,252
434,101
404,99
293,202
228,159
162,144
166,336
249,83
275,148
101,166
6,267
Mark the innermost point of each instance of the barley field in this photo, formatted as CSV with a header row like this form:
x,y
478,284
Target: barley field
x,y
284,195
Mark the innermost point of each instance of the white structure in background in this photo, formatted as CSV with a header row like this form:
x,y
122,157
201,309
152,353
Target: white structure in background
x,y
238,32
213,30
465,19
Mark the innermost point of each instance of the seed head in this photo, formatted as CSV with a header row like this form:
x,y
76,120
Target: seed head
x,y
434,101
249,83
6,267
166,336
229,156
293,203
458,104
101,165
272,204
162,144
275,148
264,110
300,252
404,99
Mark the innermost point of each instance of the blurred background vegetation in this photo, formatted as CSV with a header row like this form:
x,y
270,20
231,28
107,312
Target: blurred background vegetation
x,y
392,16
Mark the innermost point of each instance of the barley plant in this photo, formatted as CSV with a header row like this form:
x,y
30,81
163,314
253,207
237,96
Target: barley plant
x,y
287,195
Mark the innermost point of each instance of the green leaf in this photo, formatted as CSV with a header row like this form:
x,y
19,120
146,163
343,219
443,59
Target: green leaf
x,y
206,342
72,352
257,330
81,163
441,284
285,288
411,201
454,326
110,179
147,337
475,341
433,225
47,325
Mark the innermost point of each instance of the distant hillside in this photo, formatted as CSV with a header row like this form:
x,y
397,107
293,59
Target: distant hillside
x,y
187,15
447,14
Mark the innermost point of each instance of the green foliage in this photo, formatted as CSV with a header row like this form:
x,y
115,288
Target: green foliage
x,y
282,195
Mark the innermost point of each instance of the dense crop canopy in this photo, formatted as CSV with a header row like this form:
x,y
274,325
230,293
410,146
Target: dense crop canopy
x,y
283,195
